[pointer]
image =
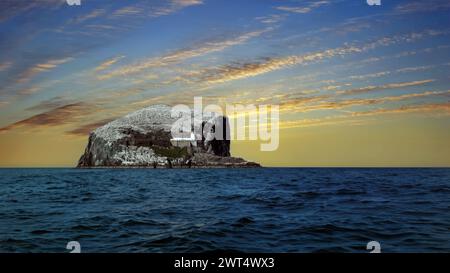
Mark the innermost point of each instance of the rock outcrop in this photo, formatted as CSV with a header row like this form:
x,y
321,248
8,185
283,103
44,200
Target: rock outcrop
x,y
144,139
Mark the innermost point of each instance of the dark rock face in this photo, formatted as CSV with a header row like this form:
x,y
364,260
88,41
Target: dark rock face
x,y
148,139
217,140
221,146
144,139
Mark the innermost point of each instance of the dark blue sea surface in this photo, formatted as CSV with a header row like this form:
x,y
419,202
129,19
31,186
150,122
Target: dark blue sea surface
x,y
249,210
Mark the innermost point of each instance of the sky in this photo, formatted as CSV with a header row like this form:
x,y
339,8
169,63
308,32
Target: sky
x,y
357,85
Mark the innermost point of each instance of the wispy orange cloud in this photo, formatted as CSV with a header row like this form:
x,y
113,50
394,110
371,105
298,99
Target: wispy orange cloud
x,y
326,121
303,9
151,10
388,72
59,116
127,11
85,129
271,19
28,91
300,106
96,13
49,104
4,66
349,119
181,55
41,67
106,64
244,70
174,6
422,108
384,87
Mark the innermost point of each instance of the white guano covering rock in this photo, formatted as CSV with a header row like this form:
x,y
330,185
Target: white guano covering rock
x,y
144,138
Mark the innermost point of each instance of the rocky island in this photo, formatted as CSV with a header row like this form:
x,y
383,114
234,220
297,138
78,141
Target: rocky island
x,y
144,139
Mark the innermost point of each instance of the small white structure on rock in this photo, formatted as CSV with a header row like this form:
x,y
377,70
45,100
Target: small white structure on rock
x,y
183,142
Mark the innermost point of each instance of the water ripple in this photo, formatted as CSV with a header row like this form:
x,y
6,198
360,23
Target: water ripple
x,y
260,210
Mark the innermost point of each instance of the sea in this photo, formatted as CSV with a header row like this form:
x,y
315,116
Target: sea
x,y
238,210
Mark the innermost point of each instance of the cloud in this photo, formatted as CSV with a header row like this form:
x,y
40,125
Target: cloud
x,y
443,108
415,68
131,17
105,65
423,6
371,75
271,19
152,9
340,104
89,16
244,70
41,67
4,66
385,73
127,11
186,3
303,9
11,8
355,24
85,129
293,104
28,91
384,87
431,108
59,116
325,121
174,6
98,28
181,55
349,119
46,105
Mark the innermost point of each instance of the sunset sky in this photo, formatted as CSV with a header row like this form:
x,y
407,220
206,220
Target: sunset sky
x,y
357,85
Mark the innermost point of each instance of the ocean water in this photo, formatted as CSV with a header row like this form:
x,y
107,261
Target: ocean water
x,y
249,210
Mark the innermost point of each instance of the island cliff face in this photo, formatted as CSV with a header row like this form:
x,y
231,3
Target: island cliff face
x,y
144,139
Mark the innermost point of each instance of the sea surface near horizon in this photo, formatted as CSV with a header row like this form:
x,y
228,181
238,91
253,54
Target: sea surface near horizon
x,y
248,210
